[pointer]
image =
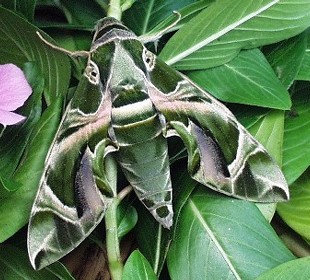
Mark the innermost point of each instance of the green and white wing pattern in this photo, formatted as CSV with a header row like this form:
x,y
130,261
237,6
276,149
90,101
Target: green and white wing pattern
x,y
129,102
221,153
68,204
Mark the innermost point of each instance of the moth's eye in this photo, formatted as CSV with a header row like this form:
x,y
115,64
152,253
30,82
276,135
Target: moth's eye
x,y
92,73
149,59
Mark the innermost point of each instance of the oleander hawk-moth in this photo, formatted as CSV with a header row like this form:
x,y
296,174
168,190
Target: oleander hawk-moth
x,y
126,105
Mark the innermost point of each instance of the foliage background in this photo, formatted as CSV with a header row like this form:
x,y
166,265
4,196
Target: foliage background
x,y
252,55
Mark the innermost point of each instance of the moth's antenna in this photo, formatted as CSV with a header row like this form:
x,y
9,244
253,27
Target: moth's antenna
x,y
70,53
155,37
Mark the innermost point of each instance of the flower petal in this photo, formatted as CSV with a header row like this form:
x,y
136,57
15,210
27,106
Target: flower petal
x,y
14,88
9,118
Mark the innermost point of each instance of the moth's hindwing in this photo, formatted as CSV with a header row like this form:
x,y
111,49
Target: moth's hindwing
x,y
221,153
68,204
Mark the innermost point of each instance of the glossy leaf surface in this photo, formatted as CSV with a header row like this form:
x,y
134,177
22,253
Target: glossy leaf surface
x,y
218,38
295,212
14,216
23,47
286,58
297,136
137,267
14,264
222,238
251,81
295,269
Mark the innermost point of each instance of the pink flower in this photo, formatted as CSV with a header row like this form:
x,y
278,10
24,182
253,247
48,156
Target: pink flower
x,y
14,91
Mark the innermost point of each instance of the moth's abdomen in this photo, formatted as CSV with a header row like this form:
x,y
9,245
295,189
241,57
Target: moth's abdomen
x,y
143,156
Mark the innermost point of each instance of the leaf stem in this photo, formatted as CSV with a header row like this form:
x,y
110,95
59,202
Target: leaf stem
x,y
114,9
124,192
112,241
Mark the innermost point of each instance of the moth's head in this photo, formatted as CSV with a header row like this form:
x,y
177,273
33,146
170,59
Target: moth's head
x,y
119,54
110,29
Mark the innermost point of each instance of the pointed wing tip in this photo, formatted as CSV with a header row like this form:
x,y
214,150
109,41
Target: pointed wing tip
x,y
278,193
165,220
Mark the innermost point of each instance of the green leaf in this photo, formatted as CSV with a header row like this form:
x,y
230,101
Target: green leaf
x,y
13,215
223,238
295,212
126,218
77,13
22,45
153,242
59,270
304,71
137,267
15,265
25,7
144,15
219,32
286,58
247,79
186,13
295,269
297,136
248,115
269,131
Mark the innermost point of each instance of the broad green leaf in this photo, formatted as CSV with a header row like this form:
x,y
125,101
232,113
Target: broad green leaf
x,y
248,116
144,15
15,265
304,71
296,144
13,215
292,270
153,242
247,79
59,270
76,13
269,132
138,268
21,44
295,212
219,32
25,7
223,238
286,58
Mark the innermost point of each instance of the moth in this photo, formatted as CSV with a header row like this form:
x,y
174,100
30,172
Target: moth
x,y
126,105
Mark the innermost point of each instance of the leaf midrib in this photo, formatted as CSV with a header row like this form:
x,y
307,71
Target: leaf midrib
x,y
219,34
201,219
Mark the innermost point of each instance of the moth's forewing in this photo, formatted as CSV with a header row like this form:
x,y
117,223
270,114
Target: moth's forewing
x,y
221,152
68,204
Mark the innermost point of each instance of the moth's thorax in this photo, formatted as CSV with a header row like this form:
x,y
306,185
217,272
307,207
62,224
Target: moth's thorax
x,y
128,89
110,30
